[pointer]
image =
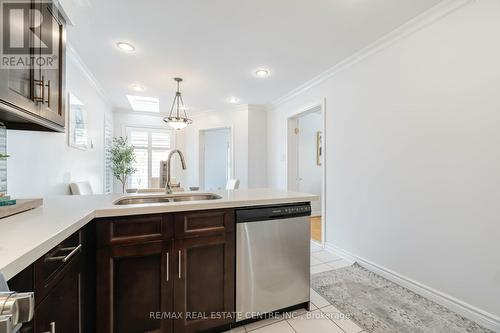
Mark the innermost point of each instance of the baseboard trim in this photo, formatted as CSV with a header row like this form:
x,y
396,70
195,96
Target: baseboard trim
x,y
471,312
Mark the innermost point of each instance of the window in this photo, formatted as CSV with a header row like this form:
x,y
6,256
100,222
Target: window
x,y
146,104
151,146
108,142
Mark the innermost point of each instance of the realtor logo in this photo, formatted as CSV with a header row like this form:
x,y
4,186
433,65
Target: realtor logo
x,y
27,35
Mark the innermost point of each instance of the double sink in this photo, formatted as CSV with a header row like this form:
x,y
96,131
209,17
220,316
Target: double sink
x,y
166,199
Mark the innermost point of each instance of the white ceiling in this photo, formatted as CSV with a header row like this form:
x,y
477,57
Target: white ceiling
x,y
216,45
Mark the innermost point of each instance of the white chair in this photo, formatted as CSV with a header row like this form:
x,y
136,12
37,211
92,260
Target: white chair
x,y
233,184
81,188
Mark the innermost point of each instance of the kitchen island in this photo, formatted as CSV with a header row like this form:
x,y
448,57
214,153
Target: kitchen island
x,y
129,254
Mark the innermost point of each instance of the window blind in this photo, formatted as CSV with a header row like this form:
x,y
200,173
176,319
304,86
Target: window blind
x,y
151,146
108,141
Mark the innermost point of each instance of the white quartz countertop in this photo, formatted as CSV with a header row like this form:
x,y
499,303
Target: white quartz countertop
x,y
27,236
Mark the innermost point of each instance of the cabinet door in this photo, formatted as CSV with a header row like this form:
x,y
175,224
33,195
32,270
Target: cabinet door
x,y
61,310
16,84
134,288
204,282
52,107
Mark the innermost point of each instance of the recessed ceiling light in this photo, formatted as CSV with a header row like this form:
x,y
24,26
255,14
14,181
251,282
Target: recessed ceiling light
x,y
137,87
232,99
262,72
127,47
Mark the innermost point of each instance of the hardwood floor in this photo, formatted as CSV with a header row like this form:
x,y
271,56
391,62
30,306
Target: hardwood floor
x,y
316,228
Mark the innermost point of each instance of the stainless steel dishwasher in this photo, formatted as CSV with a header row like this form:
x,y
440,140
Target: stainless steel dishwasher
x,y
272,258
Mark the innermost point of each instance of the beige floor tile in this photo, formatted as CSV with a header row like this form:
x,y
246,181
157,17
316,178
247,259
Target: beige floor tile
x,y
261,323
279,327
325,256
341,320
240,329
318,300
316,322
315,247
315,261
338,264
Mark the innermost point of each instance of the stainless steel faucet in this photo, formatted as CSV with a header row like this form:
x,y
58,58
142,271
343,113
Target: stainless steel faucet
x,y
168,185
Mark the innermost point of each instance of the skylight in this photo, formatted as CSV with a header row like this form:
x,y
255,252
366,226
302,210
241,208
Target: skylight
x,y
146,104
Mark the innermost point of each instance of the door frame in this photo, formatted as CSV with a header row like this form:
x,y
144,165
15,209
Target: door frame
x,y
292,151
201,152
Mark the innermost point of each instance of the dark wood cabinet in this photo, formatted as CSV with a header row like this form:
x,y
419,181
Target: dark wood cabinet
x,y
59,281
53,78
166,273
204,285
61,310
134,287
32,97
160,273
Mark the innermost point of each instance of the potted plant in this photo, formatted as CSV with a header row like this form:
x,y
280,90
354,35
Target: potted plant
x,y
122,157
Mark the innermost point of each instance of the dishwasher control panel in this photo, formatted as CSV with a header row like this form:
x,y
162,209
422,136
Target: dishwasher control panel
x,y
273,212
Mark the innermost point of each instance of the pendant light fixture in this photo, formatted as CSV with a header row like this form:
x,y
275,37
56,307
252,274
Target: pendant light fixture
x,y
177,118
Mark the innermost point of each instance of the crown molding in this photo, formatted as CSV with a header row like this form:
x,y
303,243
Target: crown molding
x,y
419,22
73,56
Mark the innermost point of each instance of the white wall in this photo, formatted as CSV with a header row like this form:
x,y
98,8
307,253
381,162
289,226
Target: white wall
x,y
257,146
412,155
42,164
248,125
189,142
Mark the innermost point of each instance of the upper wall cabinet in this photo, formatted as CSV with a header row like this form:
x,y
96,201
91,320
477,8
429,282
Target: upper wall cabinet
x,y
32,67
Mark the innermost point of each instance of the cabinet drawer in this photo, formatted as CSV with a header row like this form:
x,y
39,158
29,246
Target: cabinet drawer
x,y
203,223
134,229
62,308
50,268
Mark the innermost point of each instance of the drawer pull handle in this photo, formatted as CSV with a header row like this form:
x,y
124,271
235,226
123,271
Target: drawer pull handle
x,y
168,267
74,250
180,264
48,93
41,84
52,328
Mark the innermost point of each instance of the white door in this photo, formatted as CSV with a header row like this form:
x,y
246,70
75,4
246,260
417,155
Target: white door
x,y
216,158
309,171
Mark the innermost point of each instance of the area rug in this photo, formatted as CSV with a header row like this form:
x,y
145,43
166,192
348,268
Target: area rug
x,y
381,306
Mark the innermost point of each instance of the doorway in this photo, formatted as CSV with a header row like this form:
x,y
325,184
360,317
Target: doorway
x,y
306,162
215,158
